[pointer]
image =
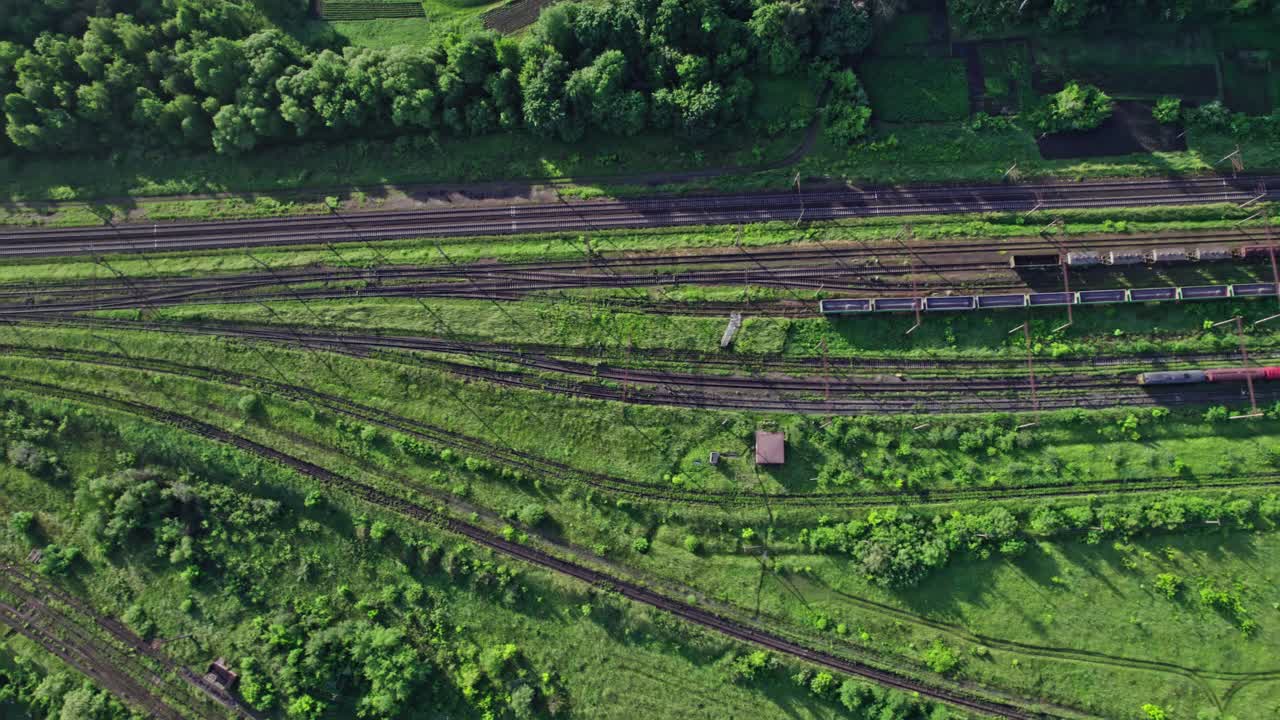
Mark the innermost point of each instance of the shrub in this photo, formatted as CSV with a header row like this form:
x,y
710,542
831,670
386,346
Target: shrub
x,y
1155,712
532,514
250,405
846,114
1167,110
822,683
304,707
692,543
1212,117
22,522
1075,108
35,460
1168,584
640,545
940,658
1217,413
746,667
57,560
135,616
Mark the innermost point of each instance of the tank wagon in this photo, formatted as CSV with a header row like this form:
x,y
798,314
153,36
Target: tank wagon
x,y
1138,256
1045,299
1187,377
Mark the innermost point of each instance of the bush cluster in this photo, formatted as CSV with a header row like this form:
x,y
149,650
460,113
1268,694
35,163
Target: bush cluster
x,y
1075,108
1215,117
899,548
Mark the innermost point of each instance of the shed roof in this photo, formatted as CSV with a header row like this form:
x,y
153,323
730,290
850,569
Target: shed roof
x,y
771,448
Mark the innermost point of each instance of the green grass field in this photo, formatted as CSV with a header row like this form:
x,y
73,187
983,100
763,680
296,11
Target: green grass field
x,y
903,35
916,89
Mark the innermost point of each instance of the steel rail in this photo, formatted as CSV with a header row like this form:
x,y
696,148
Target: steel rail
x,y
654,212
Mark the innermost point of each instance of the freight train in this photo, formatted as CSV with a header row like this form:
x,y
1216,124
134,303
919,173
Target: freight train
x,y
1152,256
1180,377
1044,299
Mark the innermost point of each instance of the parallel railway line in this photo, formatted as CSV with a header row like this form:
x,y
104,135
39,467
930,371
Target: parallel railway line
x,y
982,266
1005,394
139,674
654,212
514,288
651,386
591,359
959,696
552,469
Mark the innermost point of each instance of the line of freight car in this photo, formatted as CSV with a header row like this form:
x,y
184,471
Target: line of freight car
x,y
1083,297
1137,256
1186,377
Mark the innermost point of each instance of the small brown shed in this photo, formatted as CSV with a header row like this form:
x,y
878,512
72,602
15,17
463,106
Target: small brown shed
x,y
771,448
222,674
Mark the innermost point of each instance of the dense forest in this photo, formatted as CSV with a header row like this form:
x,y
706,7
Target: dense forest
x,y
989,15
208,74
204,74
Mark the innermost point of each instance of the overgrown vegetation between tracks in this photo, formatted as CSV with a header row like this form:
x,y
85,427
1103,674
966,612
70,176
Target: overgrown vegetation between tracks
x,y
716,550
533,490
599,325
241,548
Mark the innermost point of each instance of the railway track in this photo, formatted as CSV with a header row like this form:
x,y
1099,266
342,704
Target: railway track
x,y
683,390
733,628
69,629
792,395
552,470
651,212
86,659
777,268
138,648
592,357
178,292
868,255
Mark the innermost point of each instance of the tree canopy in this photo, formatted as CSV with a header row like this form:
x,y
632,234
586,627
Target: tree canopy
x,y
80,76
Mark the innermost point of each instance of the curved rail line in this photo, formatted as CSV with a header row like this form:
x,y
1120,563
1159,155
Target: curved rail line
x,y
139,648
551,469
534,354
125,672
651,212
699,391
921,397
699,616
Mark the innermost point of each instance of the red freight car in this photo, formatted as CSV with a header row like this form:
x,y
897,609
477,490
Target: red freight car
x,y
1235,374
1180,377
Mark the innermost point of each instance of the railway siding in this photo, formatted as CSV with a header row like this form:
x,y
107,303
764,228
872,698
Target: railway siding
x,y
967,698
